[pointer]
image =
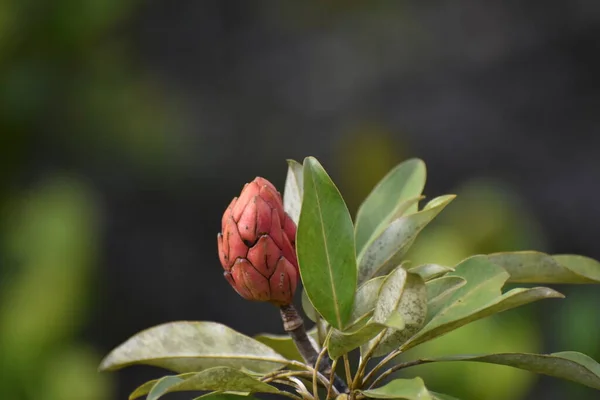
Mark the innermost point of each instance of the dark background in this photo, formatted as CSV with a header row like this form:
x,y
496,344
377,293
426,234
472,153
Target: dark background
x,y
126,127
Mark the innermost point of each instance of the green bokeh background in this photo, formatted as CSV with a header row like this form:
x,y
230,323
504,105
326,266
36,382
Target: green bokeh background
x,y
112,183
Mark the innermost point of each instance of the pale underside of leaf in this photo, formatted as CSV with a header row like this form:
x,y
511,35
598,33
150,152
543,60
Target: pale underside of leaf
x,y
478,298
225,396
390,197
439,291
573,366
408,389
366,298
385,252
308,308
187,346
292,194
406,295
156,388
340,343
536,267
430,271
214,379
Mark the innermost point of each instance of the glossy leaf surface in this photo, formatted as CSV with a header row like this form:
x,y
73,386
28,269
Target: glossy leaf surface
x,y
325,246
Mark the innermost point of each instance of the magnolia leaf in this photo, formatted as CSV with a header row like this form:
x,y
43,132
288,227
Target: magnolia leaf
x,y
443,286
569,365
406,295
292,193
219,379
430,271
187,346
536,267
385,252
284,345
325,246
224,396
340,343
404,182
409,389
480,297
366,298
395,321
162,386
159,384
441,396
439,289
309,309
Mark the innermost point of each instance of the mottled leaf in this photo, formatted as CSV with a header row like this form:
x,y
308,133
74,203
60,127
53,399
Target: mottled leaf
x,y
409,389
366,298
292,194
570,365
404,182
430,271
386,251
480,297
340,343
439,290
536,267
218,379
406,295
325,245
187,346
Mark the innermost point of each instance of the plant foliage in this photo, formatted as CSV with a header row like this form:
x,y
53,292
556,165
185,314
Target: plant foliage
x,y
365,297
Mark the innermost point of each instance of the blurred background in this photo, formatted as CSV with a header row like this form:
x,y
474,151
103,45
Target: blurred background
x,y
127,126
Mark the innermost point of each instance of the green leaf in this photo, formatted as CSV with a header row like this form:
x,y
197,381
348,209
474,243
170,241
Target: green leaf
x,y
216,379
309,309
162,386
187,346
165,381
443,286
570,365
224,396
292,193
439,289
480,297
389,197
536,267
430,271
366,298
325,246
441,396
284,345
340,343
406,295
409,389
386,251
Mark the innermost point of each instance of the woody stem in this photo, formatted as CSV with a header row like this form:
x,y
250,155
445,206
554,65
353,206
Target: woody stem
x,y
294,326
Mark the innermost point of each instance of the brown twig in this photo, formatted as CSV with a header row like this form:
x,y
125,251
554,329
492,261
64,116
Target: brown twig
x,y
294,326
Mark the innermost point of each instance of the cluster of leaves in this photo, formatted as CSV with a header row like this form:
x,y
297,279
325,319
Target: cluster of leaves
x,y
363,295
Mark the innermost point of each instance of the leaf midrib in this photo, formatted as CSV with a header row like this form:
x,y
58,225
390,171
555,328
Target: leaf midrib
x,y
326,243
424,331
